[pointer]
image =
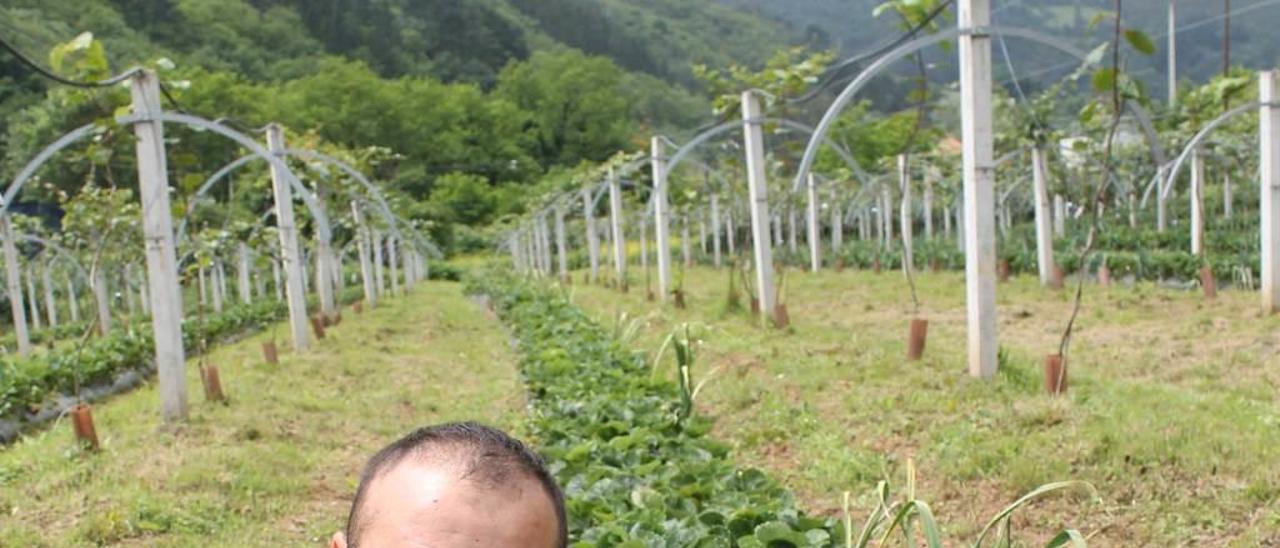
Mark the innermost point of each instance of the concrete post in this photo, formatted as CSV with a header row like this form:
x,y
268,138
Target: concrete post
x,y
242,272
73,301
277,282
290,254
379,275
1044,232
13,285
217,286
1269,204
102,298
811,212
886,216
1197,203
615,220
160,255
393,263
979,186
715,229
31,297
562,246
1162,214
929,176
759,202
366,265
50,303
1172,68
203,286
907,229
730,232
1059,216
792,239
946,222
593,237
686,252
661,217
324,275
702,231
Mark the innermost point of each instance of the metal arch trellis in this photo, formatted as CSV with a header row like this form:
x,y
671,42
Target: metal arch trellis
x,y
872,70
383,209
1201,135
58,250
731,125
29,170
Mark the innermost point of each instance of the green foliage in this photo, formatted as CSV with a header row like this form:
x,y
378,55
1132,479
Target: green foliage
x,y
26,384
633,471
786,74
465,197
576,106
634,457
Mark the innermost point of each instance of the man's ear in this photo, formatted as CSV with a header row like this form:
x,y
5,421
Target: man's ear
x,y
339,540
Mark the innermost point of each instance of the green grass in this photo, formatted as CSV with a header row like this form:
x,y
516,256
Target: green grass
x,y
275,467
1173,411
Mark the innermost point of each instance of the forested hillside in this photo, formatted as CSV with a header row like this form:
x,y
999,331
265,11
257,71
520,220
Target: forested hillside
x,y
464,93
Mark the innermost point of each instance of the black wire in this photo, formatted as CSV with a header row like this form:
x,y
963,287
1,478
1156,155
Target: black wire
x,y
22,58
164,90
834,74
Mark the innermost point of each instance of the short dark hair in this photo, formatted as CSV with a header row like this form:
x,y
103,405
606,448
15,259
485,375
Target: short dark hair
x,y
488,455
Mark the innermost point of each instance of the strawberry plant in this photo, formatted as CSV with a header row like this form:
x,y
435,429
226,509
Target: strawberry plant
x,y
634,457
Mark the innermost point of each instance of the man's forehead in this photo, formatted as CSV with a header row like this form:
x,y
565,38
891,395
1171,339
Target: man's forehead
x,y
431,500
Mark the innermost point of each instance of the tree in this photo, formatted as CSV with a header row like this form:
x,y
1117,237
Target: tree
x,y
577,107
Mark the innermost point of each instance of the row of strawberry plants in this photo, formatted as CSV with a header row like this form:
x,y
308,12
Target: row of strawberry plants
x,y
637,469
636,463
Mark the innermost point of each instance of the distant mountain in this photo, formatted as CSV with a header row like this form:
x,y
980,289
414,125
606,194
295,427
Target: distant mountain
x,y
848,26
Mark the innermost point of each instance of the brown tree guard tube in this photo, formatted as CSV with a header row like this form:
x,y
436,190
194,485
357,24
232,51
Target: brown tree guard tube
x,y
1104,276
358,306
649,296
1059,278
839,264
213,385
325,320
781,318
919,334
269,353
1055,375
1004,270
337,318
82,424
1209,283
678,298
317,326
755,306
935,265
876,266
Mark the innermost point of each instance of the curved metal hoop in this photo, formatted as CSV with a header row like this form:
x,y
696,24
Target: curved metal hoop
x,y
383,209
847,95
81,132
731,125
1200,137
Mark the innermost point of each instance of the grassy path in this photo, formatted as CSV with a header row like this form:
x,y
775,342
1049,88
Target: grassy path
x,y
1173,412
277,465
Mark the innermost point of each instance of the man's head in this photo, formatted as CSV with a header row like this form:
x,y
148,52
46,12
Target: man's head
x,y
454,485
